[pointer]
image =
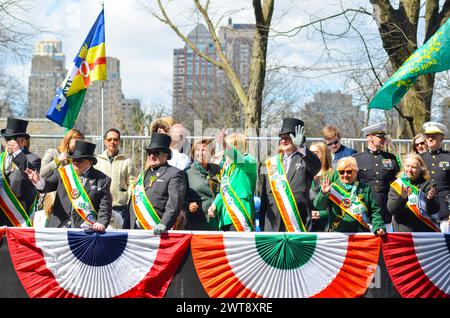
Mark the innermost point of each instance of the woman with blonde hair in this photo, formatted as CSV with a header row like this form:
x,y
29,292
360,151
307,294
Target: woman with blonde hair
x,y
53,158
234,204
412,198
320,149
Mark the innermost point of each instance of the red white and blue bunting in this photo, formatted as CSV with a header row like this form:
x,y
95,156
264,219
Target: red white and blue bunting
x,y
74,263
285,265
419,264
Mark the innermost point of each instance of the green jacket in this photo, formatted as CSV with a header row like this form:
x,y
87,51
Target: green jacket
x,y
203,186
243,181
321,224
349,224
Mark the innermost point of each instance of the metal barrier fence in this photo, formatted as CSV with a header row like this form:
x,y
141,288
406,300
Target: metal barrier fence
x,y
262,147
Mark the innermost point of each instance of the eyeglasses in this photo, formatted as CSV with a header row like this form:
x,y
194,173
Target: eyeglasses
x,y
342,172
112,139
431,136
420,143
333,143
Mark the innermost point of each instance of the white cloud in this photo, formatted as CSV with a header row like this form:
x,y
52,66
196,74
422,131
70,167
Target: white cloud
x,y
145,46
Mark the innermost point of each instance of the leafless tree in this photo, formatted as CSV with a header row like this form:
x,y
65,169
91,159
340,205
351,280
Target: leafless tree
x,y
399,31
251,98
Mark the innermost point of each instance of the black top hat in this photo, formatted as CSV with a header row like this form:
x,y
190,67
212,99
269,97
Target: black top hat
x,y
84,150
15,128
160,142
289,125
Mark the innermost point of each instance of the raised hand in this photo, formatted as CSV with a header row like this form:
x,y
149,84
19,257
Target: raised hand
x,y
431,193
299,139
220,139
33,176
404,193
211,210
325,185
12,146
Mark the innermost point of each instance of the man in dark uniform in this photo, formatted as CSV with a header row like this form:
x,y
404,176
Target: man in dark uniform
x,y
438,162
294,168
83,197
377,167
15,160
160,190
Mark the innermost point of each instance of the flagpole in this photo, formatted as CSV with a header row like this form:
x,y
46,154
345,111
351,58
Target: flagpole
x,y
103,118
103,101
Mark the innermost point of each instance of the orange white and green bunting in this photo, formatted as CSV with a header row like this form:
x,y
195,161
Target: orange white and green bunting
x,y
294,265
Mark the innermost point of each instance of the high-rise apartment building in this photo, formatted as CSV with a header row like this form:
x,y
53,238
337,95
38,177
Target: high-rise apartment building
x,y
47,73
200,89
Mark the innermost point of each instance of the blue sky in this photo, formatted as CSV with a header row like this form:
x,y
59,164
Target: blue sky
x,y
144,45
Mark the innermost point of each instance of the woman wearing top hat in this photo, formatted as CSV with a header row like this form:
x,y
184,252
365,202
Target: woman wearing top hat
x,y
158,195
83,197
14,160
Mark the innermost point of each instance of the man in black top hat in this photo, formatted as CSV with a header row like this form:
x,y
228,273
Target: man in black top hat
x,y
159,193
299,166
83,192
15,159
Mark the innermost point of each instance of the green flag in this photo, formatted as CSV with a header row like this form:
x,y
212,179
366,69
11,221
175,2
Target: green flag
x,y
431,57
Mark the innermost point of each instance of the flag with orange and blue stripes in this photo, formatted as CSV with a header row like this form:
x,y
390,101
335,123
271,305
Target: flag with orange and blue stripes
x,y
89,65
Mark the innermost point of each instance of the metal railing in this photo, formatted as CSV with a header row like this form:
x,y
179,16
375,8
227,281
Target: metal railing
x,y
133,146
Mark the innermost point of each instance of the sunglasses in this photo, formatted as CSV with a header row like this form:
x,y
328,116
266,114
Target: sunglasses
x,y
155,153
112,139
420,143
342,172
333,143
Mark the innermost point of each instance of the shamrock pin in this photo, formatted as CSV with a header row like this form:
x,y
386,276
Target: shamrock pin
x,y
152,181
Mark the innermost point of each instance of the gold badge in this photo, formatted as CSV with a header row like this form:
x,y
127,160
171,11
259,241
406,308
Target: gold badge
x,y
346,202
75,193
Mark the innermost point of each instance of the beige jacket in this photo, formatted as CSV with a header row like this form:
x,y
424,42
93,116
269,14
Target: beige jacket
x,y
121,173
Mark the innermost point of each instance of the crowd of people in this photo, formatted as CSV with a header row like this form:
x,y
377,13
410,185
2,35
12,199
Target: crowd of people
x,y
324,187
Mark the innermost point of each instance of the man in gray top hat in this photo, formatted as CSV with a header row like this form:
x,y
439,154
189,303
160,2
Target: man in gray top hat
x,y
21,200
285,202
160,190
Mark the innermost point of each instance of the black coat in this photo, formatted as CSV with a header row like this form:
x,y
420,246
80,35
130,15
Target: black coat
x,y
403,219
438,162
300,176
166,194
19,182
378,169
97,186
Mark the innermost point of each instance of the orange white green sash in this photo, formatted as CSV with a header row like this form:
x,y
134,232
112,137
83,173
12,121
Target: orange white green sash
x,y
414,198
77,194
283,195
355,208
10,204
143,208
235,209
